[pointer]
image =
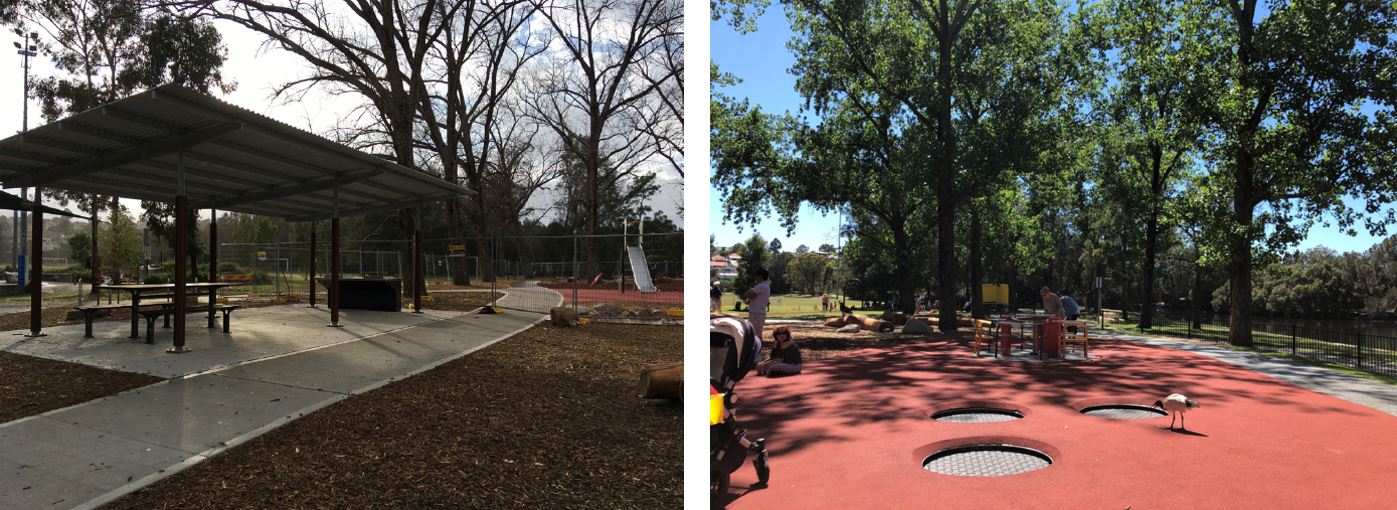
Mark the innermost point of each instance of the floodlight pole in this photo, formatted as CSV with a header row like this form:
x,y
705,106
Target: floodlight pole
x,y
21,230
335,264
181,254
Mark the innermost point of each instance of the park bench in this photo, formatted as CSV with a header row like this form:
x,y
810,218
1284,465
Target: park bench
x,y
167,309
89,313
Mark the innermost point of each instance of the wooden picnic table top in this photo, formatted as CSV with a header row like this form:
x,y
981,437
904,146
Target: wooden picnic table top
x,y
136,287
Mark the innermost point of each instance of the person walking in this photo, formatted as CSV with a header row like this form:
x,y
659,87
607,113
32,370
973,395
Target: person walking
x,y
758,300
824,301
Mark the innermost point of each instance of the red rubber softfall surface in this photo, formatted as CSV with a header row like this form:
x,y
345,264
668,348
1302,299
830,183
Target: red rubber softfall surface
x,y
852,432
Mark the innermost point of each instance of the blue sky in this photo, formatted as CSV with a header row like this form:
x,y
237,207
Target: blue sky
x,y
762,61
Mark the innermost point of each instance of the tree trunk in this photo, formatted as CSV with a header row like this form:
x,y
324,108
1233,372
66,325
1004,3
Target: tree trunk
x,y
1194,311
977,267
1239,265
1151,239
945,184
906,290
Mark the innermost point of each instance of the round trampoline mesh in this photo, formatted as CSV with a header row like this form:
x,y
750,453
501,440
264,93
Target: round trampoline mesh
x,y
986,460
1123,411
977,415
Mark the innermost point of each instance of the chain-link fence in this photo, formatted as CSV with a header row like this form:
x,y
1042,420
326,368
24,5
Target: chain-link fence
x,y
627,277
605,277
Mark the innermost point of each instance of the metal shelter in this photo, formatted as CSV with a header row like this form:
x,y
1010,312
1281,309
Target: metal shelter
x,y
174,144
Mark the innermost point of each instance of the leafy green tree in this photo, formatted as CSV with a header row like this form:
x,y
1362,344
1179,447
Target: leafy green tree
x,y
1293,136
808,273
1164,69
122,243
754,257
80,249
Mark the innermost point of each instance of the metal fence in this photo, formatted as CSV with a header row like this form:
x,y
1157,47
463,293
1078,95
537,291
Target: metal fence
x,y
529,273
1361,351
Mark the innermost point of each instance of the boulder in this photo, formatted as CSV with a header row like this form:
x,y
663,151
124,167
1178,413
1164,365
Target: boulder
x,y
852,328
563,317
916,327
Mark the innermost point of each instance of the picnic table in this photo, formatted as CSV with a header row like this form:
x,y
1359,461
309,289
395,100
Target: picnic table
x,y
148,290
1046,342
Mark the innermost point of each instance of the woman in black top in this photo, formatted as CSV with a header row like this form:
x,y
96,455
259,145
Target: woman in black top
x,y
785,355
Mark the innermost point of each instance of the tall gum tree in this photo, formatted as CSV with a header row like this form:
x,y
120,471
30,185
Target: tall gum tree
x,y
1304,118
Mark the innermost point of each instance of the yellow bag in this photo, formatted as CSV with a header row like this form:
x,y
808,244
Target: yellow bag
x,y
716,411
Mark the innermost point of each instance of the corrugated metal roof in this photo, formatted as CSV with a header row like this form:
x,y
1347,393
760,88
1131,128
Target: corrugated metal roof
x,y
234,160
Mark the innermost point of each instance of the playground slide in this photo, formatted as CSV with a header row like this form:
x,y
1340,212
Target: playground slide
x,y
640,270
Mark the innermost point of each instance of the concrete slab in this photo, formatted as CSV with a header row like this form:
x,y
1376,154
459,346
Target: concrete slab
x,y
351,366
256,333
195,414
46,463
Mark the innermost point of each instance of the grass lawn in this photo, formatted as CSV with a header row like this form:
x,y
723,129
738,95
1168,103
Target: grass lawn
x,y
794,306
548,418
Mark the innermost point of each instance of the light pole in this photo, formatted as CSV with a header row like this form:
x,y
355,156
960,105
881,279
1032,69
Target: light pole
x,y
22,217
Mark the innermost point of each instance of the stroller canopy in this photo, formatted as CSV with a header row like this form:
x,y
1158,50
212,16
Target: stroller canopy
x,y
734,347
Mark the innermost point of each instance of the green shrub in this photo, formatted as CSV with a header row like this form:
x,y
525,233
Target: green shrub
x,y
230,268
160,278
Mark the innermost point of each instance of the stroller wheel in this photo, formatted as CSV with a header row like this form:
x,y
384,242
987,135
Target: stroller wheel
x,y
763,469
718,482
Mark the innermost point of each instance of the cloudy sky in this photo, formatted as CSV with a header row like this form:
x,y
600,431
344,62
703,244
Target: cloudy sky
x,y
256,71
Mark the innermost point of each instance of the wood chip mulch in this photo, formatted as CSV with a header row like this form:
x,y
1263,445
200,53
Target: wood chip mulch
x,y
819,342
548,418
459,301
30,385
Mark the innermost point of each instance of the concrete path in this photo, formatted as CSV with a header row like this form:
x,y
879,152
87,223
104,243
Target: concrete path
x,y
95,452
1367,392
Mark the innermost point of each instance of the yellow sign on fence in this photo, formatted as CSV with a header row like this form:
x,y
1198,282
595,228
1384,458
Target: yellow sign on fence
x,y
995,293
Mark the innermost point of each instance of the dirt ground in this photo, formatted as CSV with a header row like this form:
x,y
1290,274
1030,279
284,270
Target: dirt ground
x,y
819,342
548,418
31,385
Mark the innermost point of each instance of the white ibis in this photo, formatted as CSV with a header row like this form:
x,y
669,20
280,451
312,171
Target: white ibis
x,y
1176,403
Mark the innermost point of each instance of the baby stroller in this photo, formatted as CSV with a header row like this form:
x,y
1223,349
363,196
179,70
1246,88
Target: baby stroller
x,y
733,351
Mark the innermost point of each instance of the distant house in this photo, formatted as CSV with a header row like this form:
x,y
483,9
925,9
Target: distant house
x,y
724,267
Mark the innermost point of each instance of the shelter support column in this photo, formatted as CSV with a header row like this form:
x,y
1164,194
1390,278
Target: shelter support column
x,y
312,263
213,262
418,282
181,260
36,282
335,264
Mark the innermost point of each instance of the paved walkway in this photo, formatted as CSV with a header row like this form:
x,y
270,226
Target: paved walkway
x,y
1375,394
86,455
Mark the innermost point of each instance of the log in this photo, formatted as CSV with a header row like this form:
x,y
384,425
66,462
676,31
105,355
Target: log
x,y
896,317
834,322
871,324
663,380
